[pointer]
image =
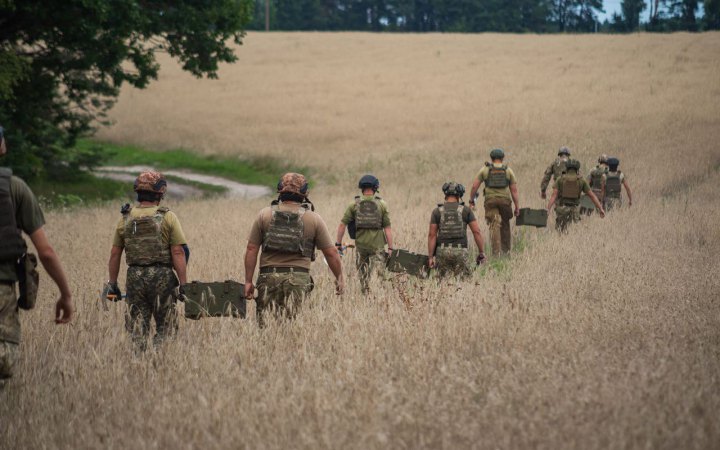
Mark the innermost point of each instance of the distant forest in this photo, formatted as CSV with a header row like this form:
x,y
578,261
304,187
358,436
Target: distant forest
x,y
471,16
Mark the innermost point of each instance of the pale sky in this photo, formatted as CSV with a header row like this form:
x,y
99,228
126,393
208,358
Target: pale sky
x,y
612,6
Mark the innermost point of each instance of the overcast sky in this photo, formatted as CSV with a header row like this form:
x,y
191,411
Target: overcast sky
x,y
612,6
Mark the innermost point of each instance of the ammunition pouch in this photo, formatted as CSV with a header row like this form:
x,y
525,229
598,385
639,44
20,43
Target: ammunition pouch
x,y
28,281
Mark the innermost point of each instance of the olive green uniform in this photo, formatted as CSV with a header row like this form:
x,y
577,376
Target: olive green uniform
x,y
284,280
369,242
567,209
554,171
28,218
451,250
151,281
613,189
498,208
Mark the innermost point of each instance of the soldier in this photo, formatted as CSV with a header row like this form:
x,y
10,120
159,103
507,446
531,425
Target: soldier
x,y
20,212
447,238
153,240
288,231
555,170
500,187
568,190
370,216
596,178
614,182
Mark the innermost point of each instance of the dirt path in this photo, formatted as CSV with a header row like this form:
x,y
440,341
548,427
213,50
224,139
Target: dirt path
x,y
180,191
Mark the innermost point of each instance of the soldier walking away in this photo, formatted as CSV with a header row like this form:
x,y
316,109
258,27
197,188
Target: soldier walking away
x,y
20,212
153,240
596,178
288,231
500,187
447,238
554,170
614,182
567,192
370,216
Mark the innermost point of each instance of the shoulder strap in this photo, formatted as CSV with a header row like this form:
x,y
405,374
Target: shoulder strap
x,y
163,209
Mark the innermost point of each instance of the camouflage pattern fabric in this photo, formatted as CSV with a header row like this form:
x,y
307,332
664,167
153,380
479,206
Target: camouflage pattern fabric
x,y
565,215
498,212
453,261
150,294
9,331
367,263
144,244
554,171
151,181
292,183
286,232
281,294
612,203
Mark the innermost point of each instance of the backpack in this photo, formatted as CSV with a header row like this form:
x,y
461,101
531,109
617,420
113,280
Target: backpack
x,y
144,244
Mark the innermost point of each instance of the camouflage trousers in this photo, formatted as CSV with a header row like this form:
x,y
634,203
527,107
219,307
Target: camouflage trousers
x,y
453,261
281,294
613,203
151,294
9,331
498,213
565,215
369,262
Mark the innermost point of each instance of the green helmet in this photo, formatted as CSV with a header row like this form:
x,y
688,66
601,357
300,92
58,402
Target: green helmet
x,y
454,189
497,154
572,164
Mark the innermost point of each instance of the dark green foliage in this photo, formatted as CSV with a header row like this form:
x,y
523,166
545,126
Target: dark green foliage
x,y
712,15
62,64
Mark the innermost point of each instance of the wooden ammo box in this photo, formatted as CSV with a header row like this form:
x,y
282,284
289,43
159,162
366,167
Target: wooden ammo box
x,y
216,299
532,217
409,262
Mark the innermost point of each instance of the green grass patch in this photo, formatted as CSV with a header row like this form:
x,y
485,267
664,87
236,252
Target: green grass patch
x,y
83,190
262,171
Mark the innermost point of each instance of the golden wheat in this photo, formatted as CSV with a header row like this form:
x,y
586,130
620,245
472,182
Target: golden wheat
x,y
606,337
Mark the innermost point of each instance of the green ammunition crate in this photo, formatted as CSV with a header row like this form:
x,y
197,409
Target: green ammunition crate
x,y
532,217
409,262
215,299
586,205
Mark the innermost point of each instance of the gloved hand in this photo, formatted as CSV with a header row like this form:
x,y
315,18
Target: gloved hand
x,y
340,248
180,293
112,292
480,260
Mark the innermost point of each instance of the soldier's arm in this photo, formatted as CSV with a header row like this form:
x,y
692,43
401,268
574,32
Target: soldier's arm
x,y
114,263
629,193
515,198
546,180
179,264
333,260
596,202
64,308
251,254
477,235
553,197
388,237
432,242
340,233
473,191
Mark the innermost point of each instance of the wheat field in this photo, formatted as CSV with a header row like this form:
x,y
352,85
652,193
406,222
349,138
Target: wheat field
x,y
607,337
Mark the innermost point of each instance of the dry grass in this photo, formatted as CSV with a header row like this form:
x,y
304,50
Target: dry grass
x,y
606,337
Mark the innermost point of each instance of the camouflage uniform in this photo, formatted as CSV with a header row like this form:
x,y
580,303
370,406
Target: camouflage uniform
x,y
369,262
9,331
567,210
613,190
453,261
151,294
282,293
554,171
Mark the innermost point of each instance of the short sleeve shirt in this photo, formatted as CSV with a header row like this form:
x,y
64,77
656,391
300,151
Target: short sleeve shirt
x,y
315,230
468,217
172,231
482,176
28,217
373,240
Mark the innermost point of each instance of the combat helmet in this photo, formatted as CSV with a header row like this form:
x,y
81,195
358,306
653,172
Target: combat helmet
x,y
151,181
603,159
564,151
497,153
572,164
293,183
369,181
613,163
454,189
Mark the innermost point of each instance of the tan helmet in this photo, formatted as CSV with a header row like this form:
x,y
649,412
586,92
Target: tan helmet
x,y
603,159
292,183
564,151
151,181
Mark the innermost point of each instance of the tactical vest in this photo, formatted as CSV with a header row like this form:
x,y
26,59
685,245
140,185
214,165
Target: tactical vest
x,y
596,177
452,226
286,233
144,245
368,214
497,177
613,185
12,245
570,192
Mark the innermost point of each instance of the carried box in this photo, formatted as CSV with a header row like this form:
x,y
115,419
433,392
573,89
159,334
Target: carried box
x,y
532,217
215,299
411,263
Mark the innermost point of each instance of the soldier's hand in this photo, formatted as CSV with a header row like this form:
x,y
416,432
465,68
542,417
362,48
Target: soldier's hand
x,y
180,293
517,212
339,286
602,213
431,262
249,290
543,195
472,204
112,292
480,260
340,248
64,310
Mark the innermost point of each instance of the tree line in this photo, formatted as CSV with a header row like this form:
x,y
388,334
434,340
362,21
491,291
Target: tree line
x,y
472,16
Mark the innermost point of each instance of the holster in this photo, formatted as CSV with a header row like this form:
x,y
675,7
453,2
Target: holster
x,y
28,280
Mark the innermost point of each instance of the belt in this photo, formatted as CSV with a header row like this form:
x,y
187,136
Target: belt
x,y
7,283
271,269
452,246
151,265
